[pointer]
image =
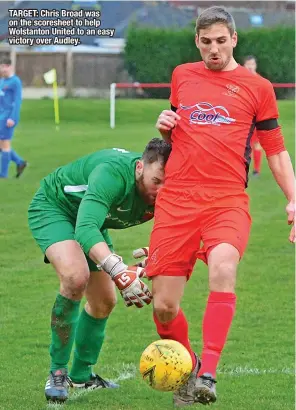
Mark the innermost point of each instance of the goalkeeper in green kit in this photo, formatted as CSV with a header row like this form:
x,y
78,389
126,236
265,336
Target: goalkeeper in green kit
x,y
69,217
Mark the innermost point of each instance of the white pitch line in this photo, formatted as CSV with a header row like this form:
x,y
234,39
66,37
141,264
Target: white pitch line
x,y
54,406
128,371
126,375
245,371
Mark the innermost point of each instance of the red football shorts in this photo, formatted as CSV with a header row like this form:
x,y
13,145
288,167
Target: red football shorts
x,y
189,224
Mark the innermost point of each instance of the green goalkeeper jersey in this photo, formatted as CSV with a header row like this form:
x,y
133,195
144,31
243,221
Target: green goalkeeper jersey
x,y
99,192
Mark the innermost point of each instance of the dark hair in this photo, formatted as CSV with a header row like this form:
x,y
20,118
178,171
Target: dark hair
x,y
156,150
5,61
248,58
213,15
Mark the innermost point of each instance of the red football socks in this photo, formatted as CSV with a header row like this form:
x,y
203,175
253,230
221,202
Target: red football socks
x,y
216,324
176,329
257,160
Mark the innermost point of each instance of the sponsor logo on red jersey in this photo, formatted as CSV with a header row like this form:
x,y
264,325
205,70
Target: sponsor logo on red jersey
x,y
204,113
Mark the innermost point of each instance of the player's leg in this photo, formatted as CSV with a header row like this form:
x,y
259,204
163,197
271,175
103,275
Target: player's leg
x,y
90,333
54,233
171,323
8,154
173,246
218,316
20,163
225,235
257,155
71,267
169,319
5,156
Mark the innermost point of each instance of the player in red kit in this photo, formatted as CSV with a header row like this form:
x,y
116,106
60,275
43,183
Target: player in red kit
x,y
202,211
250,63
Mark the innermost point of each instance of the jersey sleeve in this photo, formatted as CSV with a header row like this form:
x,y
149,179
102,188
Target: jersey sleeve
x,y
17,100
108,239
174,95
267,105
106,186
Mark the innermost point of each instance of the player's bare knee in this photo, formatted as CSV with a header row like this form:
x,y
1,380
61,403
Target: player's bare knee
x,y
101,309
222,277
105,308
74,282
165,310
167,293
6,145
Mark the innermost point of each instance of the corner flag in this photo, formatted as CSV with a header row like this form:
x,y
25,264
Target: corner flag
x,y
50,77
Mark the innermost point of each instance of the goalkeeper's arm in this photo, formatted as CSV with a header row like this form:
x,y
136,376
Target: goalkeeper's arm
x,y
91,215
126,278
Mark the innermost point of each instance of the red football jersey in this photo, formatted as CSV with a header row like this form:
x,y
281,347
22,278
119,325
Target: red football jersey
x,y
218,110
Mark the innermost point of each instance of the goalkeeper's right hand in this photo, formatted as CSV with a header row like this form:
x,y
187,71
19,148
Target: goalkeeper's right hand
x,y
139,253
127,279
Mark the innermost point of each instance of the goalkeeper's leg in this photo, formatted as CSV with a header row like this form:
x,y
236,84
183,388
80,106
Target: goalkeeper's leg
x,y
90,332
70,264
54,232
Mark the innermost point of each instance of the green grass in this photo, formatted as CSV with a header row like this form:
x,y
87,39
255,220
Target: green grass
x,y
256,369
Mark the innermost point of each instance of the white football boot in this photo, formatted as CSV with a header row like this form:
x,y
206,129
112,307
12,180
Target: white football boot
x,y
186,395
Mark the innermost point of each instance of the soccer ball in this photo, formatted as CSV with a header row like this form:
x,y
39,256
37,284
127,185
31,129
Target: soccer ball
x,y
165,365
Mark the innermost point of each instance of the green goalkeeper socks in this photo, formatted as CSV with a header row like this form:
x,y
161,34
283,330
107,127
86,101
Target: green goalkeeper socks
x,y
89,339
64,318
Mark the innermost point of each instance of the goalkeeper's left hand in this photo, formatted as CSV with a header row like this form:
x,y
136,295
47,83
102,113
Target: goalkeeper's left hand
x,y
139,253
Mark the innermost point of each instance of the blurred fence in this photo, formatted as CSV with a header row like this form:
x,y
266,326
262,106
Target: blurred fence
x,y
83,74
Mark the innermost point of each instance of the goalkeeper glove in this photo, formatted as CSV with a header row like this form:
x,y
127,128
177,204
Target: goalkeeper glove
x,y
139,253
127,280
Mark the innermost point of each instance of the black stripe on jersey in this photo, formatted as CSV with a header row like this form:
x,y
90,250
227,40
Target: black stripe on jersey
x,y
267,125
173,108
248,150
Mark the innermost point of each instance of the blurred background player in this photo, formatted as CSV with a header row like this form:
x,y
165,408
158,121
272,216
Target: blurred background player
x,y
10,106
69,217
250,63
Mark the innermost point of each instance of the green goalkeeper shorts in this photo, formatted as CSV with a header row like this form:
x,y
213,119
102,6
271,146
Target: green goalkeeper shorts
x,y
50,224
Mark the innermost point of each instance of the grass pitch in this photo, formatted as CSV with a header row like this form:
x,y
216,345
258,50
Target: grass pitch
x,y
257,367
